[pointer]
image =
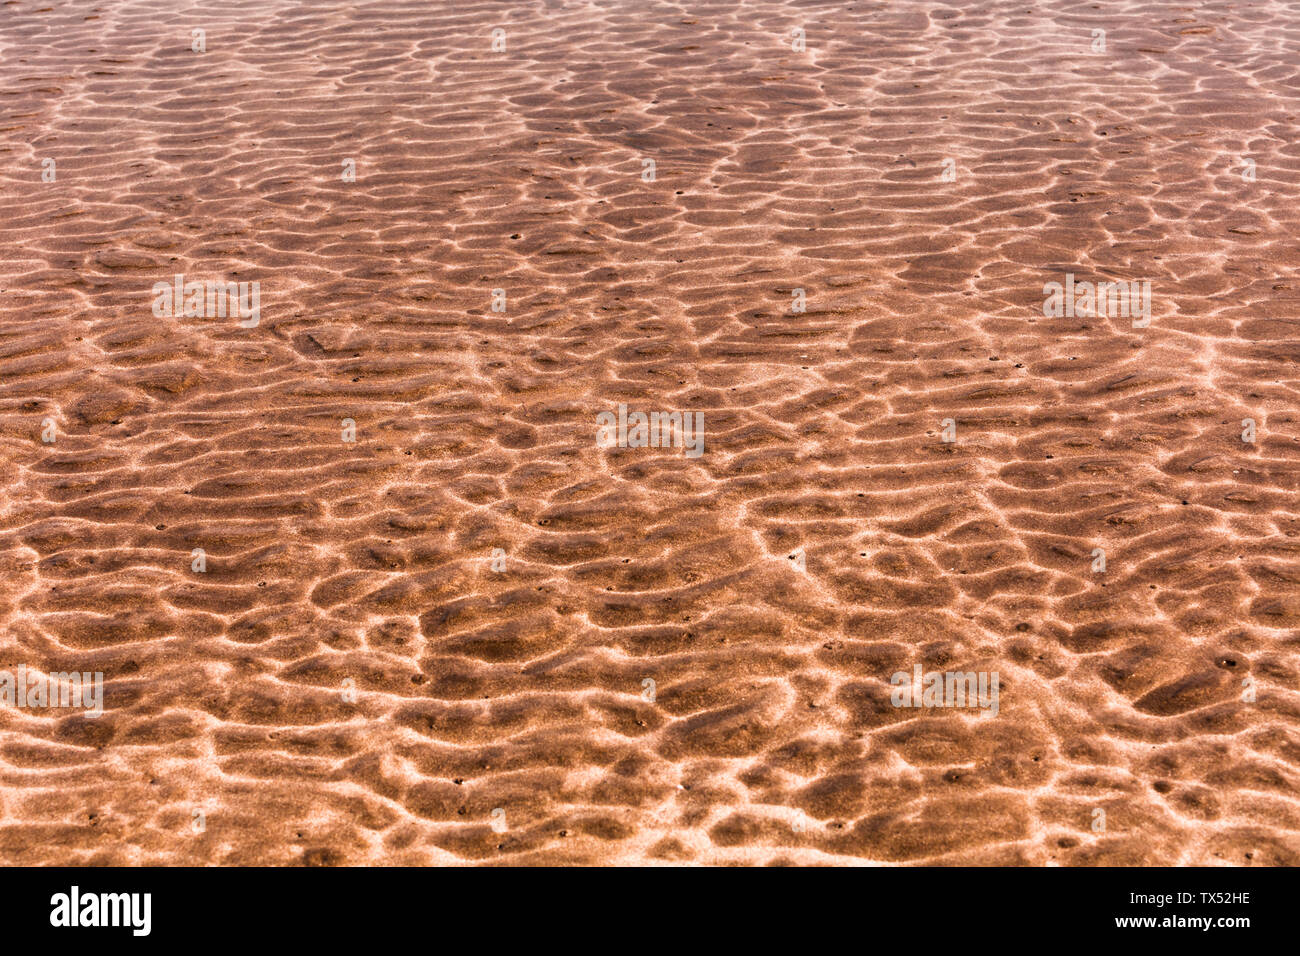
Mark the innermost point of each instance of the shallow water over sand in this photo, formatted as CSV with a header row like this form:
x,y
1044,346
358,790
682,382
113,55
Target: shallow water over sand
x,y
350,681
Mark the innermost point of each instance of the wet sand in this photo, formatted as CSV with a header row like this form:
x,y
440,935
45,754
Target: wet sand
x,y
351,682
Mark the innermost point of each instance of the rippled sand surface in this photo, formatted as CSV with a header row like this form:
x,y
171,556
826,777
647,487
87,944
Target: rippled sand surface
x,y
350,681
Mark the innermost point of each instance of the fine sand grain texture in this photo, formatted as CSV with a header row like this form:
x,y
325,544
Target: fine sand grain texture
x,y
673,658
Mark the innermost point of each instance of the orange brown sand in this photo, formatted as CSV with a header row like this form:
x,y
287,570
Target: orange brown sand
x,y
229,734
